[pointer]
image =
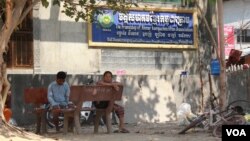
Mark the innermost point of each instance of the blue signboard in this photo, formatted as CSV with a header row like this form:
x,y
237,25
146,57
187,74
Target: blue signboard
x,y
143,27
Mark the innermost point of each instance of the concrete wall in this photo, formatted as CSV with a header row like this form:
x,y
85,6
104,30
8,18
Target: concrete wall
x,y
238,85
146,98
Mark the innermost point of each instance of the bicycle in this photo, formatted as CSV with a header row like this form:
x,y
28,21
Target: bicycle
x,y
215,119
241,107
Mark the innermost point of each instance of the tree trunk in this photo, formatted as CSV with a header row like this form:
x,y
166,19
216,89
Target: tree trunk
x,y
14,9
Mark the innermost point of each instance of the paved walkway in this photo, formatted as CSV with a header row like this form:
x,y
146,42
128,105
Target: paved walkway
x,y
139,132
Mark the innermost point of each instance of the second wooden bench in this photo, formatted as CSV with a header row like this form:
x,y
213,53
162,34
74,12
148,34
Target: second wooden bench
x,y
79,94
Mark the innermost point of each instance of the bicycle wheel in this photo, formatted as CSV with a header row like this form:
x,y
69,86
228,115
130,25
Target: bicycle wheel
x,y
242,106
194,123
49,119
232,120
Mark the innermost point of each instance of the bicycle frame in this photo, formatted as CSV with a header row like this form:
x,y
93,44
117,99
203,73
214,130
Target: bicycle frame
x,y
219,118
215,117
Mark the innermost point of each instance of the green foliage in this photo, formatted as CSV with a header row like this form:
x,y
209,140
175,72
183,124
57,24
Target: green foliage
x,y
2,11
212,1
56,2
176,1
86,9
45,3
2,5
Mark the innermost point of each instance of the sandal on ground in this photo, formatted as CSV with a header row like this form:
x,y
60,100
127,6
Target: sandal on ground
x,y
123,130
117,131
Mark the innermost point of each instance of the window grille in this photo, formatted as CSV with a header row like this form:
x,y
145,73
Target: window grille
x,y
20,52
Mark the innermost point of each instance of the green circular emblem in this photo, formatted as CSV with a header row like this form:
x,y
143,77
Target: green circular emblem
x,y
106,20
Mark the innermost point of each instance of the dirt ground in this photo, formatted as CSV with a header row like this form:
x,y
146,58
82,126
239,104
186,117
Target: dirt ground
x,y
138,132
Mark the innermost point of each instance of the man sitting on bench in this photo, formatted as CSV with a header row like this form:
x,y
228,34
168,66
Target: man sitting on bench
x,y
58,96
119,110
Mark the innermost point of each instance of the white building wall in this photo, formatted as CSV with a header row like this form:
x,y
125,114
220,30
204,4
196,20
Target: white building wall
x,y
237,14
63,44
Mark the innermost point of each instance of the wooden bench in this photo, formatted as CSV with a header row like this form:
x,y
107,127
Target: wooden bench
x,y
78,94
37,97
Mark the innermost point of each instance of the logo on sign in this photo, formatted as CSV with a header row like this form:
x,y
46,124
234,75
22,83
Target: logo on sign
x,y
106,20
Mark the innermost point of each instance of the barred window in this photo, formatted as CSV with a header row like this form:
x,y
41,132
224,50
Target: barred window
x,y
243,36
20,53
